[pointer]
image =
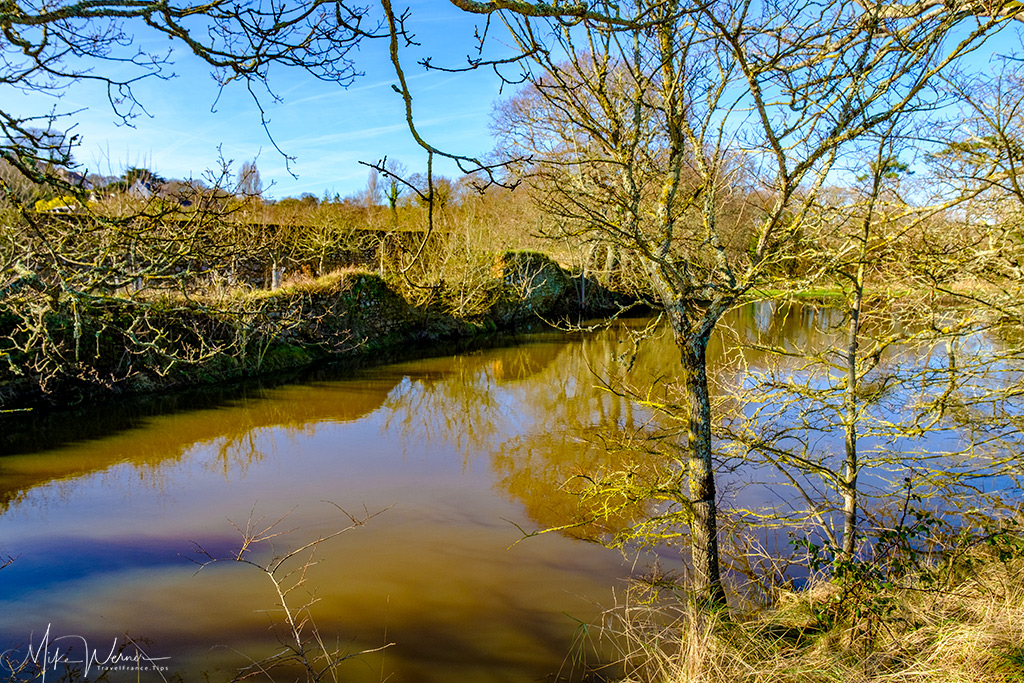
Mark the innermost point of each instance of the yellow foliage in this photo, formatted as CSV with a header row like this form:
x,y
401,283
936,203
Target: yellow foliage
x,y
62,203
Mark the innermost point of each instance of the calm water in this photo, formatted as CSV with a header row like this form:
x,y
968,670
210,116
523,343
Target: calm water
x,y
451,457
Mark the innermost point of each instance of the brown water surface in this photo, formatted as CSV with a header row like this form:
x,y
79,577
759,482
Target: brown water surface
x,y
455,455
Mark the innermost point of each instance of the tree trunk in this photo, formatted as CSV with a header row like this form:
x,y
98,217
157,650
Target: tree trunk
x,y
848,485
611,262
701,470
851,465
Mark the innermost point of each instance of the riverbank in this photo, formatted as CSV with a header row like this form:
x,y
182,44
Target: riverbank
x,y
83,350
956,618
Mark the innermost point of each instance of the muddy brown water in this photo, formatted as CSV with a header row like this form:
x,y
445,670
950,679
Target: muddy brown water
x,y
451,458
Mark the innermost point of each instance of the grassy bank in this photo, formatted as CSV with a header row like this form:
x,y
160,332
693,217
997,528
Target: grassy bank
x,y
61,350
959,620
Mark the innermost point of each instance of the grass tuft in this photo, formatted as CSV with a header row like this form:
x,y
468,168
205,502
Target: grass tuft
x,y
970,630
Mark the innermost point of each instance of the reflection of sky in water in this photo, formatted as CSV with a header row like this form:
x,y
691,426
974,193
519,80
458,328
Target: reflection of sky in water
x,y
455,451
102,529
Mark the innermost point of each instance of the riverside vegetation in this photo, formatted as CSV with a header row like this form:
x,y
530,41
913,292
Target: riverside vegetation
x,y
933,594
148,295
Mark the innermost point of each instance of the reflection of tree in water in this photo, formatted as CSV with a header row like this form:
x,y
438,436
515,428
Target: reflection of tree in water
x,y
523,362
467,403
539,411
550,468
557,478
787,426
459,408
574,452
237,432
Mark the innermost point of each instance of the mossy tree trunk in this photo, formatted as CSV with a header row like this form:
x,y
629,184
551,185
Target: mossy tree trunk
x,y
701,471
692,327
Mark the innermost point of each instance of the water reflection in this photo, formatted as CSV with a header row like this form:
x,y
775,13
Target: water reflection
x,y
462,452
102,528
236,431
918,416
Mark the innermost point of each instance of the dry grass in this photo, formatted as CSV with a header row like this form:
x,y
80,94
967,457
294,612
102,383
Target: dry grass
x,y
963,631
971,631
304,283
219,294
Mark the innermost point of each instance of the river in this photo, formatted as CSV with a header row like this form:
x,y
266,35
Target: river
x,y
444,463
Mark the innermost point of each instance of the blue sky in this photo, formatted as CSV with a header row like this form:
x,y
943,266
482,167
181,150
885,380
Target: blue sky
x,y
327,128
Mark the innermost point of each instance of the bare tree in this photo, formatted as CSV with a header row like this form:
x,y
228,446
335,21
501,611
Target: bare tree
x,y
697,140
371,196
249,182
983,157
692,138
83,265
303,644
